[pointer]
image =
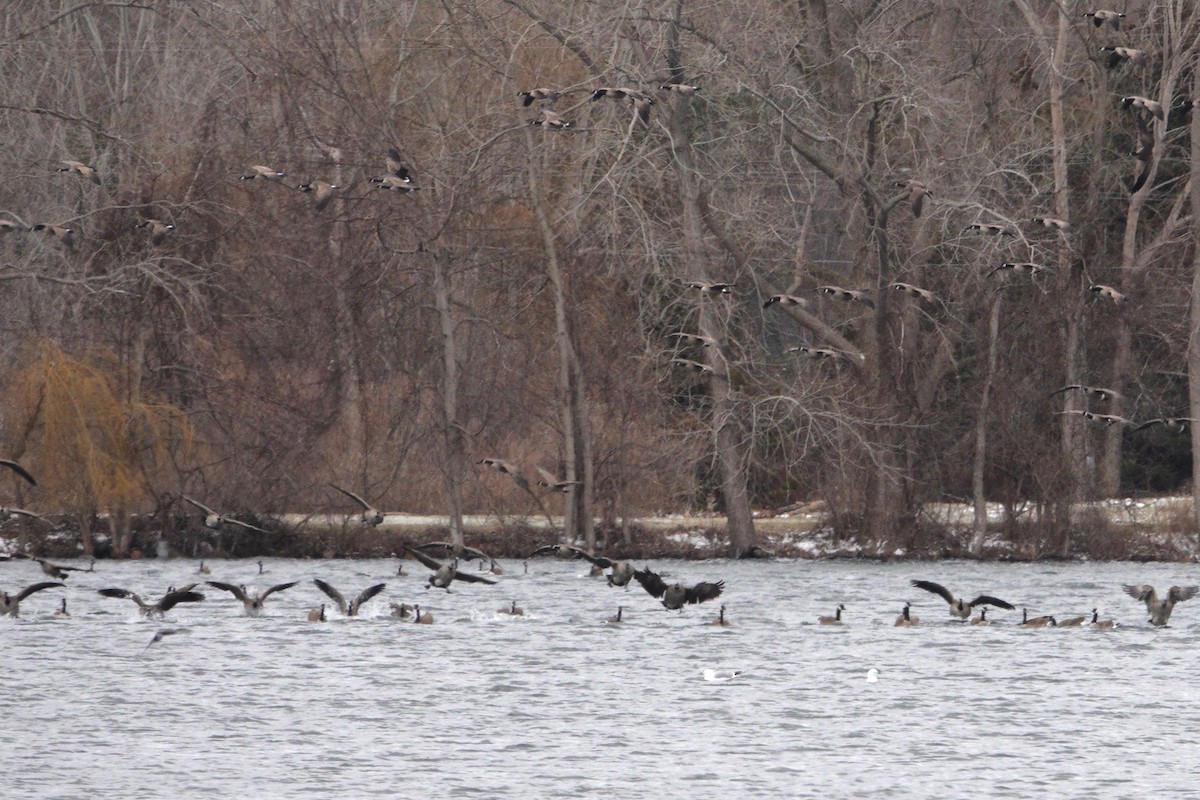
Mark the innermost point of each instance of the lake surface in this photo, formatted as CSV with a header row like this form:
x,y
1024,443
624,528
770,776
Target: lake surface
x,y
559,704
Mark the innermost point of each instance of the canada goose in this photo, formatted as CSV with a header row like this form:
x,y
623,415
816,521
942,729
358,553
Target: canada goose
x,y
693,338
401,610
836,619
958,607
391,183
9,226
1107,420
422,619
820,353
642,102
160,635
1173,424
62,609
622,571
1101,16
59,572
989,228
506,468
17,468
317,614
982,618
1036,622
676,595
1118,54
551,120
398,177
8,513
1153,106
616,618
445,574
906,619
253,603
564,551
685,89
322,191
203,568
848,295
1160,611
512,611
261,571
352,608
1110,293
259,171
10,604
1021,268
61,232
1098,392
158,230
463,553
721,619
213,520
1051,222
539,94
596,571
172,598
82,169
915,291
785,299
1071,622
369,516
711,289
917,192
1096,622
552,483
694,366
641,107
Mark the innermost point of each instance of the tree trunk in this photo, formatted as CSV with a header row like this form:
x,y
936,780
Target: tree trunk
x,y
453,438
978,469
1193,349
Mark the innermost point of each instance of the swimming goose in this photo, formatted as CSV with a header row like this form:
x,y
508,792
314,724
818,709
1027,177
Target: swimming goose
x,y
214,520
1173,424
10,604
1098,392
513,611
836,619
785,299
906,619
540,94
253,603
1036,622
1118,54
158,229
61,232
712,289
81,169
259,171
721,619
1108,420
172,598
1021,268
352,608
398,177
322,192
982,618
685,89
62,609
616,618
506,468
1109,292
445,574
317,614
401,610
1051,222
917,192
1096,622
1071,622
1101,16
422,619
552,483
693,338
203,569
1152,106
989,228
958,607
915,291
1160,610
551,120
622,571
848,295
369,516
676,595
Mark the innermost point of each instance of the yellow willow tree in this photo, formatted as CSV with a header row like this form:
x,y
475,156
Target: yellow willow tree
x,y
94,451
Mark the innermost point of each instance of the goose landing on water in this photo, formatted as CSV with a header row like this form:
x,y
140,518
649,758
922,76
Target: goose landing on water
x,y
10,604
172,598
959,607
445,574
1160,611
676,595
253,603
352,608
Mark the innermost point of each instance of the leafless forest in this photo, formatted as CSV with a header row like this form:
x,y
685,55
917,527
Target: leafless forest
x,y
964,207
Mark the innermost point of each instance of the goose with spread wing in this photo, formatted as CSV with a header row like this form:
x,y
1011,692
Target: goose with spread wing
x,y
172,598
675,596
253,603
352,608
959,607
1160,610
446,574
214,520
369,516
10,604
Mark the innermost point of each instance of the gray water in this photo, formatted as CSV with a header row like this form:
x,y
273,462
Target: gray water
x,y
559,704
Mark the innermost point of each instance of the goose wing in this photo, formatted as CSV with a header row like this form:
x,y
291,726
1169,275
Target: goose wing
x,y
424,558
236,591
198,505
544,474
56,566
172,599
471,577
124,594
939,590
599,561
22,512
17,468
703,591
366,506
651,582
333,593
37,587
233,521
988,600
279,587
1145,593
366,594
395,165
555,548
1178,594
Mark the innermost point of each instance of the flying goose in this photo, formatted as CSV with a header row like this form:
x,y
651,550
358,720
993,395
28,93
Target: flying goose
x,y
1098,392
392,183
1051,222
10,604
959,607
693,338
1109,292
1173,424
550,120
1118,54
915,291
162,634
565,551
259,171
512,611
676,595
81,169
622,571
172,598
158,230
1096,622
422,619
322,191
1021,268
445,574
721,620
982,618
506,468
369,516
398,177
62,609
990,228
685,89
1160,611
540,94
711,289
552,483
1107,420
1036,622
1152,106
253,603
848,295
464,553
917,192
694,366
10,226
785,299
8,513
906,620
642,102
819,353
214,520
616,618
59,572
836,619
1101,16
352,608
61,232
317,614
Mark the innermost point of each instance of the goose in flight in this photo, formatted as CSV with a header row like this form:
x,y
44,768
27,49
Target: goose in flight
x,y
352,608
463,553
1172,424
160,635
252,602
158,229
559,551
172,598
917,192
551,482
10,604
81,169
675,596
369,516
507,468
398,177
322,192
57,571
959,607
540,94
848,295
1098,392
445,574
213,520
17,468
267,173
8,513
622,571
1160,610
